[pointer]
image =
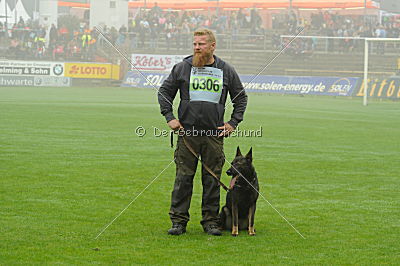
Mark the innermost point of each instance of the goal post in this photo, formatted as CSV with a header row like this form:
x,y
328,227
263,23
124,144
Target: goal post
x,y
366,61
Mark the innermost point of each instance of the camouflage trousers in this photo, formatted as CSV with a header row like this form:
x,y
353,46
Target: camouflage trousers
x,y
212,155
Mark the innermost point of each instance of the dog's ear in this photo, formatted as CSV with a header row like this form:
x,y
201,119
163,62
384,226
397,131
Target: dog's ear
x,y
249,155
238,152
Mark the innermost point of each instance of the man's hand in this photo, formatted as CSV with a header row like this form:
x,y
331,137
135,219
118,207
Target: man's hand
x,y
227,129
175,125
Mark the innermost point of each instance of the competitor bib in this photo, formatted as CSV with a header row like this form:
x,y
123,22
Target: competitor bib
x,y
206,84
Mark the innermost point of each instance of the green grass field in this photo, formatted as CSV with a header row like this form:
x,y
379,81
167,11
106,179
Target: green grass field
x,y
70,162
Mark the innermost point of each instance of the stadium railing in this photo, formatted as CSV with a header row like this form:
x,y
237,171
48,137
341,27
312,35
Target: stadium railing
x,y
328,44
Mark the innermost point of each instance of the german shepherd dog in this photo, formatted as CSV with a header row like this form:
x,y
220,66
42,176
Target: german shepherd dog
x,y
238,213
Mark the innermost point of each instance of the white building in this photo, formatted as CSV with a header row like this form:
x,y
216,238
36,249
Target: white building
x,y
108,12
48,12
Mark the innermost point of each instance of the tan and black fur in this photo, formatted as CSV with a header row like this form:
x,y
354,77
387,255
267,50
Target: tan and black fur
x,y
238,213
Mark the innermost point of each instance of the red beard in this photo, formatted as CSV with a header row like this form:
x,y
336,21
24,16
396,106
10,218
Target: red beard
x,y
201,59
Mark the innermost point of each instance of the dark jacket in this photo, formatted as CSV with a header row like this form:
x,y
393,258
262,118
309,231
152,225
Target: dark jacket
x,y
201,114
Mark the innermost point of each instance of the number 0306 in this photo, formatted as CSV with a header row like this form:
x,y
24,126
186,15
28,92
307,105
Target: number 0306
x,y
206,84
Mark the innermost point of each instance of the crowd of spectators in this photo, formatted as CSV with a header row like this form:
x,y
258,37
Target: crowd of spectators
x,y
145,30
28,40
329,24
176,28
333,24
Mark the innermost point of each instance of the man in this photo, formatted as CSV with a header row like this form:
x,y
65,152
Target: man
x,y
203,81
86,42
53,34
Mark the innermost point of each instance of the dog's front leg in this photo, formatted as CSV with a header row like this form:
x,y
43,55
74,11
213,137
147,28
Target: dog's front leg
x,y
252,211
235,219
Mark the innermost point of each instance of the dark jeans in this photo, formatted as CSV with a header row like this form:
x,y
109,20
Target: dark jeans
x,y
211,153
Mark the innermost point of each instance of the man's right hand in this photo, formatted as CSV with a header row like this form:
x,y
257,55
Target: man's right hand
x,y
174,124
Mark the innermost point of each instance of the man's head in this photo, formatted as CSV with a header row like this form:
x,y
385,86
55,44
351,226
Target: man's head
x,y
203,47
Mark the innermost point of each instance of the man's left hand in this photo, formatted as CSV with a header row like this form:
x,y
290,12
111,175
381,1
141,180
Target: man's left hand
x,y
227,129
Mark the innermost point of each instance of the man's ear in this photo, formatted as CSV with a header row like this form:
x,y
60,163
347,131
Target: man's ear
x,y
213,46
249,155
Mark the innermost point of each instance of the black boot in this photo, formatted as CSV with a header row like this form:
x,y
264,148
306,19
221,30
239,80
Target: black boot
x,y
177,229
212,229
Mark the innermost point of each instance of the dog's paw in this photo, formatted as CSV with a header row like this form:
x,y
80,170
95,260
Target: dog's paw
x,y
235,231
252,232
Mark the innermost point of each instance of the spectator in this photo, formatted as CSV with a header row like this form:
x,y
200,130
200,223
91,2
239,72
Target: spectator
x,y
380,33
153,28
21,23
113,35
169,29
73,48
276,41
240,17
15,48
86,43
53,33
40,46
132,31
122,36
143,30
156,10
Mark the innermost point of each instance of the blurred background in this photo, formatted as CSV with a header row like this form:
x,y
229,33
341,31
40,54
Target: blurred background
x,y
248,33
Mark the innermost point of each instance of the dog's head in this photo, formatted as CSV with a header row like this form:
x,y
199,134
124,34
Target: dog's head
x,y
241,167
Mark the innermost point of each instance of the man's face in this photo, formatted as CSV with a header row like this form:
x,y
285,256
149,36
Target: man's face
x,y
202,50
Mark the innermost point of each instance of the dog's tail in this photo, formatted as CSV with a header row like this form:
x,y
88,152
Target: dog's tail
x,y
223,218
